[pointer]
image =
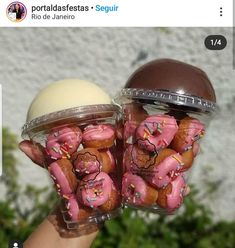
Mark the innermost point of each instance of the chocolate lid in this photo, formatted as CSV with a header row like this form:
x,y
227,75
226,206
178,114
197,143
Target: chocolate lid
x,y
173,76
185,102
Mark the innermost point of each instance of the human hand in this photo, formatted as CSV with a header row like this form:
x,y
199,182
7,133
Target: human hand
x,y
53,233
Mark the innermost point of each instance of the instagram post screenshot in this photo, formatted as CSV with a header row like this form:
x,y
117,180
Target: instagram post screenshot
x,y
117,124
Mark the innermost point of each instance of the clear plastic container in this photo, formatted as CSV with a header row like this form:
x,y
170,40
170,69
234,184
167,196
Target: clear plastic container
x,y
161,134
80,154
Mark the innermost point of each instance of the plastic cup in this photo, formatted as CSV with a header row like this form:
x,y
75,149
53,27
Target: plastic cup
x,y
80,154
161,138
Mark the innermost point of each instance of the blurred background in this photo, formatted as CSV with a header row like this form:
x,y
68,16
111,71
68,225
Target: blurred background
x,y
33,58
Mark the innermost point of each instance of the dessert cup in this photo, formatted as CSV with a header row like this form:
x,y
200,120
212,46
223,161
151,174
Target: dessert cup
x,y
162,131
80,154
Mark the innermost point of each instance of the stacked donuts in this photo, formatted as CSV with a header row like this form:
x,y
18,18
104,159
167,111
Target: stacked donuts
x,y
83,168
158,150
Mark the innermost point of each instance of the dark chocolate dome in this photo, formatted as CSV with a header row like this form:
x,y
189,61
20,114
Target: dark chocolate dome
x,y
174,76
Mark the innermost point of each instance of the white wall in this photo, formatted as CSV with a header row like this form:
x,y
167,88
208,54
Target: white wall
x,y
31,58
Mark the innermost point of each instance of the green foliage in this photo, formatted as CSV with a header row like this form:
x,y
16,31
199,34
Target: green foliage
x,y
192,227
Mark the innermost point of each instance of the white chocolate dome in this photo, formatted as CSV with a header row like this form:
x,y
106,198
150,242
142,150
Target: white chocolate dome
x,y
66,94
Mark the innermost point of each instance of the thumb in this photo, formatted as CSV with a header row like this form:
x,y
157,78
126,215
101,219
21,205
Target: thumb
x,y
187,190
35,152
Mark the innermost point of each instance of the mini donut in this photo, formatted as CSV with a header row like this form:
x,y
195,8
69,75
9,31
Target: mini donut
x,y
113,202
72,207
156,132
61,171
75,211
140,161
187,158
95,189
108,161
62,142
171,197
165,169
190,130
136,191
87,161
163,154
98,136
135,159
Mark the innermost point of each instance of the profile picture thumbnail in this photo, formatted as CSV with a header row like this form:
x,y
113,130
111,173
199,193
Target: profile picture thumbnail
x,y
16,11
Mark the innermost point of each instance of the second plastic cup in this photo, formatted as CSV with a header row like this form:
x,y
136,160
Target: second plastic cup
x,y
161,142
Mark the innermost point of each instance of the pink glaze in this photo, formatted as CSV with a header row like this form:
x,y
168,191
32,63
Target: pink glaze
x,y
98,132
134,189
175,198
72,207
129,131
194,132
165,172
87,167
60,180
61,143
95,189
196,148
156,132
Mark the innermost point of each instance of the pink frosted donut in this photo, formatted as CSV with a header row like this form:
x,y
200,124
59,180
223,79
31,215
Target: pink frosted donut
x,y
171,197
98,136
62,142
163,173
94,189
136,191
114,200
156,132
190,130
136,159
87,161
72,207
61,171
